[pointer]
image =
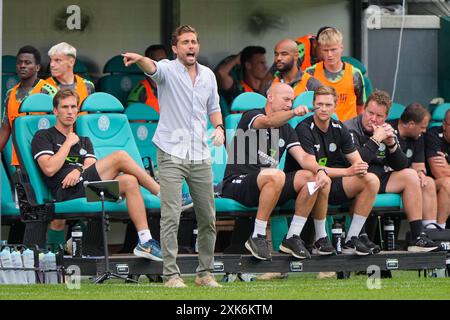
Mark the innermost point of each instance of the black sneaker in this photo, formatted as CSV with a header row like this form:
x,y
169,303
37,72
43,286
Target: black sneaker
x,y
422,244
295,246
374,248
355,246
323,247
259,247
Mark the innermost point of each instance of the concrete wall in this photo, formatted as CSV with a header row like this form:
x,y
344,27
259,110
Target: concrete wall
x,y
224,29
117,25
114,26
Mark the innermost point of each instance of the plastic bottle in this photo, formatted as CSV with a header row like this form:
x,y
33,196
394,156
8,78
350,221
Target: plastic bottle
x,y
41,272
336,236
16,259
28,263
5,258
51,275
77,235
389,235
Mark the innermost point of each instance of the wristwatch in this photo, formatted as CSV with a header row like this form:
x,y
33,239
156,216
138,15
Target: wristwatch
x,y
322,169
221,126
81,169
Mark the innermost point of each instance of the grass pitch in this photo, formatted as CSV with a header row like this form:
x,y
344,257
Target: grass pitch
x,y
403,285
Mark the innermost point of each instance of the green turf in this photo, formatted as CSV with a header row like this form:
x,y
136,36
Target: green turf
x,y
403,285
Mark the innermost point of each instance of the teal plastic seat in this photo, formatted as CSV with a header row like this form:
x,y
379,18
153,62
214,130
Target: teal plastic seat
x,y
8,205
7,156
115,65
388,200
305,98
247,101
111,132
396,110
356,63
143,122
8,81
439,112
119,85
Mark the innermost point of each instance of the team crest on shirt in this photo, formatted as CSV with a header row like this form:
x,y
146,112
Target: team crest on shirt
x,y
281,143
382,147
83,152
332,147
409,153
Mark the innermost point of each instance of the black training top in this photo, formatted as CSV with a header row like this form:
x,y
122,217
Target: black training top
x,y
434,142
254,149
329,147
48,141
413,149
379,158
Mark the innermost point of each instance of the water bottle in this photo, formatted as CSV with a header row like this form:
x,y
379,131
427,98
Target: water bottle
x,y
5,258
28,263
16,259
195,235
77,235
51,275
336,236
41,272
389,235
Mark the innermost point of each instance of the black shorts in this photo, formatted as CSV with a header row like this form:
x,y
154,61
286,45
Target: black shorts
x,y
244,189
337,194
384,178
77,191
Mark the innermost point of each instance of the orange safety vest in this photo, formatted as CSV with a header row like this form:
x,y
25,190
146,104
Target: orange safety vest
x,y
151,100
306,41
13,110
345,89
246,87
300,87
80,87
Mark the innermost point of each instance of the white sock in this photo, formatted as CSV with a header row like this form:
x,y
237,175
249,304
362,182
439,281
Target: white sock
x,y
144,236
296,227
442,225
260,228
425,222
356,226
319,226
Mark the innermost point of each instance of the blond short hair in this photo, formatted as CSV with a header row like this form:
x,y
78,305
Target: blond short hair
x,y
63,48
330,36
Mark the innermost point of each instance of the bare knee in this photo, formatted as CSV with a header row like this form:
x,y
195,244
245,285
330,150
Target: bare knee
x,y
371,182
128,182
410,178
430,186
274,177
121,156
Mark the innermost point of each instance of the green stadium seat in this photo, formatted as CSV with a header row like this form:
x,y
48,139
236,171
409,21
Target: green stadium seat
x,y
115,65
110,132
438,114
356,63
7,156
8,64
8,205
305,98
247,101
119,85
143,122
119,80
396,110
